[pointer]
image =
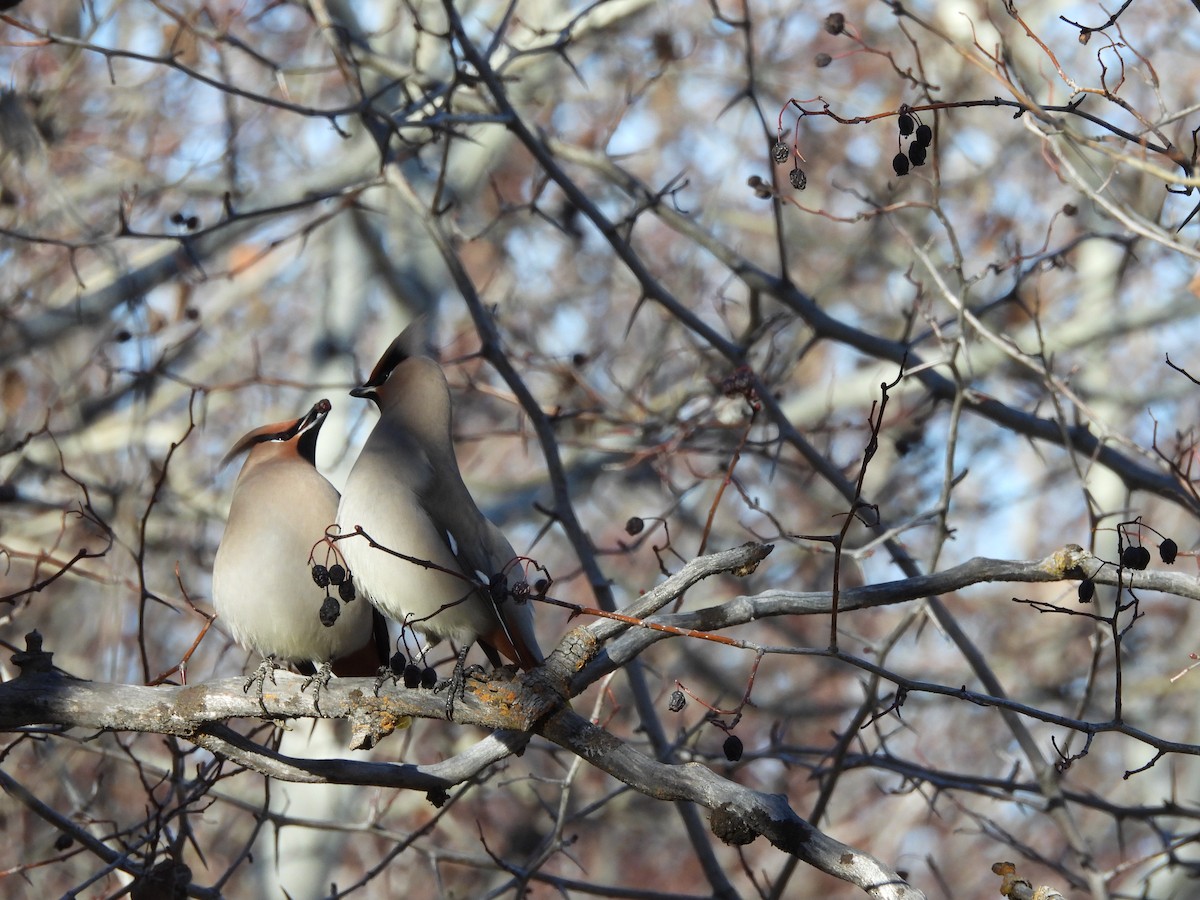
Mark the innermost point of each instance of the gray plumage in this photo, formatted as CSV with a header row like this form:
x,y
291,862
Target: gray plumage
x,y
406,493
262,576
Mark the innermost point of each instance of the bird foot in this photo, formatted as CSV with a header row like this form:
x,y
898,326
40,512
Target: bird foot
x,y
266,668
385,673
457,683
321,679
476,671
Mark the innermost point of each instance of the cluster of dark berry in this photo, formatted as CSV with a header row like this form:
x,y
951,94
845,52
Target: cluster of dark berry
x,y
1134,556
732,748
835,23
781,152
911,126
762,190
413,675
337,576
191,223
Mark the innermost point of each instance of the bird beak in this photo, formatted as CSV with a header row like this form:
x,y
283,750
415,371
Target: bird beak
x,y
308,428
314,416
282,431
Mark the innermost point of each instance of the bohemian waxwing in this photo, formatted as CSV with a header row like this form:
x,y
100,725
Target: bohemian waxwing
x,y
455,570
263,583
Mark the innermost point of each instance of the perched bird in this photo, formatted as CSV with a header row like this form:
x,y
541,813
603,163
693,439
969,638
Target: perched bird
x,y
264,583
443,568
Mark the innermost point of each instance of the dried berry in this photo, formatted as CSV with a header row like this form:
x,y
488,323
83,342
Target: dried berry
x,y
822,60
1069,209
835,23
428,677
63,841
754,181
900,164
664,46
396,663
738,383
1135,557
412,675
798,179
1087,590
634,525
346,591
907,124
781,152
320,575
337,574
905,442
733,748
330,610
917,154
520,591
924,135
678,702
1167,551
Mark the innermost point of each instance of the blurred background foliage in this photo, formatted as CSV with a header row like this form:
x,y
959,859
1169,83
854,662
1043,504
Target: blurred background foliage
x,y
196,238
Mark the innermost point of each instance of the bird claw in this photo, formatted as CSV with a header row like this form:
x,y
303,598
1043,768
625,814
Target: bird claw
x,y
475,671
385,673
457,683
265,668
458,688
321,679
